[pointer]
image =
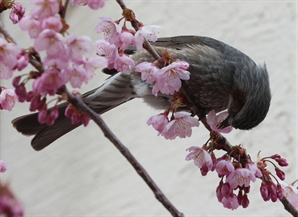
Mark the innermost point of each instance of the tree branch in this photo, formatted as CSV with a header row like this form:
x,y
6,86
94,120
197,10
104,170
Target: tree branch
x,y
80,105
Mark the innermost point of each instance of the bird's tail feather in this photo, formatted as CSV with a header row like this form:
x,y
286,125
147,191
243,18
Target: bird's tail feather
x,y
114,92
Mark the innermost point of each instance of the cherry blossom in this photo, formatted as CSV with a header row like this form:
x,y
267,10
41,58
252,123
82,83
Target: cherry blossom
x,y
145,32
48,82
214,120
180,126
109,28
44,8
31,25
168,79
240,177
224,167
50,41
8,57
76,75
202,159
2,166
8,99
147,71
93,4
77,46
53,23
158,122
76,116
17,12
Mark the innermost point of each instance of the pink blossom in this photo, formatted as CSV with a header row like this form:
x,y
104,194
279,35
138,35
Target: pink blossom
x,y
53,23
42,115
3,167
224,167
124,40
5,72
147,71
265,192
50,41
123,63
44,8
230,202
21,92
9,206
8,54
168,79
94,63
76,75
77,46
56,61
49,82
145,32
201,158
109,28
8,99
31,25
214,120
109,51
17,12
95,4
240,177
22,61
158,122
36,103
78,2
52,116
291,193
180,126
254,169
76,116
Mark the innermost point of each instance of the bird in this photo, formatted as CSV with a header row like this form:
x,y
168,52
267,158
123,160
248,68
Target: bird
x,y
221,78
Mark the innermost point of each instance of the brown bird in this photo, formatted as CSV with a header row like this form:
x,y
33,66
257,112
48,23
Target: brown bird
x,y
221,77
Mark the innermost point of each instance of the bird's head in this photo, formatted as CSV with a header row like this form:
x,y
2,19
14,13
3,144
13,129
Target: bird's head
x,y
250,97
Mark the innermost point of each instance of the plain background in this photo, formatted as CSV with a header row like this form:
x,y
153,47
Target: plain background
x,y
83,174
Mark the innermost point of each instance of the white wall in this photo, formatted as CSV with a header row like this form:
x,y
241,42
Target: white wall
x,y
82,174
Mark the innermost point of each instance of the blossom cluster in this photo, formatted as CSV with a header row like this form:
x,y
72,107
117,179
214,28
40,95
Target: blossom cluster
x,y
9,205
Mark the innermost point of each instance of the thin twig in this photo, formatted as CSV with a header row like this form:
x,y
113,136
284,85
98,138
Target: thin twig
x,y
77,102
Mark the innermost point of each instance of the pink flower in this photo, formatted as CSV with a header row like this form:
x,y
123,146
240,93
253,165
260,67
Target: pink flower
x,y
145,32
168,79
94,63
230,202
8,55
8,99
22,61
158,122
76,116
42,115
17,12
180,126
123,63
109,28
224,167
2,166
49,82
109,51
44,8
254,169
291,193
201,158
148,70
50,41
78,46
95,4
124,40
53,23
52,116
214,120
31,25
76,75
240,177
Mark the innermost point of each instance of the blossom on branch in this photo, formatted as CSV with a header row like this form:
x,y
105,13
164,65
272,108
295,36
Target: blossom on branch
x,y
168,79
8,99
17,12
145,32
215,120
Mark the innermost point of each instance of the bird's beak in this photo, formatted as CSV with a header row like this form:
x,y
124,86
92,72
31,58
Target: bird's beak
x,y
224,123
